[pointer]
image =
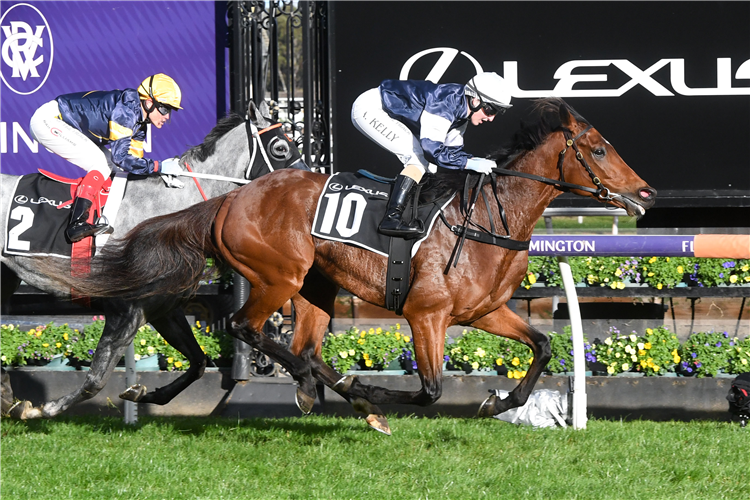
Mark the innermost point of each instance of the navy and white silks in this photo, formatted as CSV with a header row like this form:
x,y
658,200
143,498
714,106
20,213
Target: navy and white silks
x,y
422,123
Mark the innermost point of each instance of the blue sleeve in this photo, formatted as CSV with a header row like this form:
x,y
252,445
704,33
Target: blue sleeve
x,y
127,144
444,107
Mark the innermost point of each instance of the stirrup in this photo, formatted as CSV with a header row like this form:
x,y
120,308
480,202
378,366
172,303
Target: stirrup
x,y
78,232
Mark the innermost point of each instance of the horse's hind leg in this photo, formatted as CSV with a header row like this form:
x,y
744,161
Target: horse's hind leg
x,y
247,325
119,332
506,323
175,329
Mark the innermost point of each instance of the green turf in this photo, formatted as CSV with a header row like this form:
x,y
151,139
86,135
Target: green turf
x,y
593,224
323,457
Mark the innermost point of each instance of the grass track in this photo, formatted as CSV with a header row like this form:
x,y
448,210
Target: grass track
x,y
332,458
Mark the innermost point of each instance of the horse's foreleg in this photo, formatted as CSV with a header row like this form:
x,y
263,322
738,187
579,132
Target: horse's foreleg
x,y
119,332
175,329
506,323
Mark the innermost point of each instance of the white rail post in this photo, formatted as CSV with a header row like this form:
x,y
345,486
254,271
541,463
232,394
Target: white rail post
x,y
579,357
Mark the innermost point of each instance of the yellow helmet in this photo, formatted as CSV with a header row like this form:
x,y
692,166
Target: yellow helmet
x,y
162,89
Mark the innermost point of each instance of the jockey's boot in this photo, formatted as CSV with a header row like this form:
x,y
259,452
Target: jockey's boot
x,y
79,227
392,225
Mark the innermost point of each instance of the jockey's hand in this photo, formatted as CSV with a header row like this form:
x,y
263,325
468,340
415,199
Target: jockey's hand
x,y
170,166
481,165
172,181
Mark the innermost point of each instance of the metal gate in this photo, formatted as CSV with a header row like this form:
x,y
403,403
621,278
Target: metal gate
x,y
279,54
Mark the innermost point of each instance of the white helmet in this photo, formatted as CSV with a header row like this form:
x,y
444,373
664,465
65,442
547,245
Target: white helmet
x,y
490,88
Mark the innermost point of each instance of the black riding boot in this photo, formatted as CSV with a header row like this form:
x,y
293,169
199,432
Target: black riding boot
x,y
79,228
392,225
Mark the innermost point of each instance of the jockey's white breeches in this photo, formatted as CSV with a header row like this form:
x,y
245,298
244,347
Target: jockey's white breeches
x,y
60,138
370,119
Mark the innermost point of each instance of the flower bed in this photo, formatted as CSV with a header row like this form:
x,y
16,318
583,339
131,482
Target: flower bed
x,y
41,344
655,352
658,272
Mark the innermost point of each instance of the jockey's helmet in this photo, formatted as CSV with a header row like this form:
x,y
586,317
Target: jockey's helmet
x,y
489,88
162,90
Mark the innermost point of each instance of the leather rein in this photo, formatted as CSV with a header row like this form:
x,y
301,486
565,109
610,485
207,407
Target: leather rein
x,y
489,236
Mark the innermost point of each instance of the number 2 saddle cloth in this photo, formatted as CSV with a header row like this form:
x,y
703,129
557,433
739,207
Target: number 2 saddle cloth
x,y
38,214
353,204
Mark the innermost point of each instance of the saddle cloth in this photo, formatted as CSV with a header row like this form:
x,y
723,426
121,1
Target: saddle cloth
x,y
38,214
351,207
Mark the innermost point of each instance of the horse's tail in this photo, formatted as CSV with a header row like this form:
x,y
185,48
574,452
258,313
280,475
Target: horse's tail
x,y
164,255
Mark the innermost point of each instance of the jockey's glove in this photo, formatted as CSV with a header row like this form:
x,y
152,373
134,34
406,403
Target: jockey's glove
x,y
170,166
481,165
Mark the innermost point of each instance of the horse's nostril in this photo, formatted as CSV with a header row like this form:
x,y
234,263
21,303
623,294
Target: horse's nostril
x,y
646,193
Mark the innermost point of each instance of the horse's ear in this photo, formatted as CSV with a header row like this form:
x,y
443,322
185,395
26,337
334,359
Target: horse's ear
x,y
265,110
252,112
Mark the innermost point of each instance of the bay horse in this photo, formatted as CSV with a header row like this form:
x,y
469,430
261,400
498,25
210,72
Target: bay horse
x,y
234,152
282,260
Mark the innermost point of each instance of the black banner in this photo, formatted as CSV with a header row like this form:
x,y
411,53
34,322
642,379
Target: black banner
x,y
667,83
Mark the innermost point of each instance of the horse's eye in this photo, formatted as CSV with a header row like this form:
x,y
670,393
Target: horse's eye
x,y
279,149
599,152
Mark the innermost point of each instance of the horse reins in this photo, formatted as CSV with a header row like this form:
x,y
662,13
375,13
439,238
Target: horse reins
x,y
252,132
505,241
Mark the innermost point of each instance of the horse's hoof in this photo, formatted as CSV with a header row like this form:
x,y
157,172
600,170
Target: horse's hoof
x,y
487,408
24,410
379,423
134,393
304,402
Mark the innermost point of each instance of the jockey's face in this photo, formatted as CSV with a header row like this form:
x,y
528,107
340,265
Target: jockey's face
x,y
479,117
157,119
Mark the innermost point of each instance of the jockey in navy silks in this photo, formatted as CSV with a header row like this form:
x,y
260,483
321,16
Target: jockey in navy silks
x,y
423,124
77,127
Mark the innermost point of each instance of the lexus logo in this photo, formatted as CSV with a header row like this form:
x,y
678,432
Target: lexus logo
x,y
26,47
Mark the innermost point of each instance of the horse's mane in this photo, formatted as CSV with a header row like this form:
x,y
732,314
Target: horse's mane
x,y
202,151
543,120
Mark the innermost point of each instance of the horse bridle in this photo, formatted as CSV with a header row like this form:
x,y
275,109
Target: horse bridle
x,y
602,192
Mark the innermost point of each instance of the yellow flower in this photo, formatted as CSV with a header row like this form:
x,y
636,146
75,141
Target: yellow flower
x,y
634,358
676,359
620,285
613,285
198,324
625,367
45,345
641,352
379,330
618,272
343,354
610,370
745,268
652,260
363,334
371,331
743,361
480,352
523,373
647,345
656,368
659,286
208,329
368,363
517,374
365,356
680,269
608,341
65,336
733,278
516,362
532,278
361,341
406,339
398,335
170,360
137,357
178,364
475,365
649,331
2,357
499,361
510,374
351,352
466,358
58,345
617,354
143,341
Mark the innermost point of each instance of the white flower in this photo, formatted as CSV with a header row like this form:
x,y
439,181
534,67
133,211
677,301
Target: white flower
x,y
608,341
633,338
343,354
641,345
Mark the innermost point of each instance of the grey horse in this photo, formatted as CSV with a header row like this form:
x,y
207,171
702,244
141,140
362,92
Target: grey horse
x,y
234,149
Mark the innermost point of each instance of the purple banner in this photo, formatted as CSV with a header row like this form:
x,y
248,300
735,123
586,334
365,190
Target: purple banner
x,y
626,246
53,48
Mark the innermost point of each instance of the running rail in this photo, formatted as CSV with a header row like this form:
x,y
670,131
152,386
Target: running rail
x,y
721,246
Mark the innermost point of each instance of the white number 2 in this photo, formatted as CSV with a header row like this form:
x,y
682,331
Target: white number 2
x,y
26,216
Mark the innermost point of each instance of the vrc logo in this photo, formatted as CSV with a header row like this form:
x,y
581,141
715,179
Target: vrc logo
x,y
27,49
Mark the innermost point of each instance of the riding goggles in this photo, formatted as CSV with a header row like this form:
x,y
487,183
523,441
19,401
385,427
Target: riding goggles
x,y
164,109
492,110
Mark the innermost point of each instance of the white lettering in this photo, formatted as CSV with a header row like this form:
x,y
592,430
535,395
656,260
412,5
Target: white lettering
x,y
18,131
